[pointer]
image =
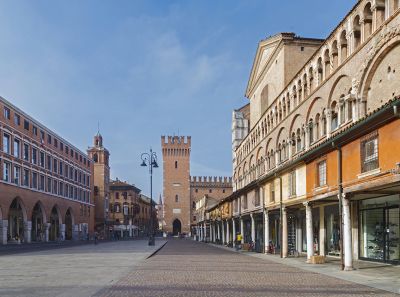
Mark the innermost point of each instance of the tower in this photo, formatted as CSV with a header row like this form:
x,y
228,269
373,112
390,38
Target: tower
x,y
101,179
176,183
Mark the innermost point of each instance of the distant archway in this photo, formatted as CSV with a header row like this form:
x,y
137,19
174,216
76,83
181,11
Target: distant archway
x,y
38,223
69,221
55,222
176,227
16,219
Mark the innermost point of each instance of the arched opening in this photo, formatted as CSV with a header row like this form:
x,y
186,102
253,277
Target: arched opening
x,y
334,51
367,13
38,221
319,71
327,62
95,158
311,131
176,227
334,116
68,224
356,32
54,231
343,46
16,219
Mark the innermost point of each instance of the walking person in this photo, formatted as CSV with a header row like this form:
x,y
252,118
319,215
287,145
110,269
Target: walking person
x,y
238,241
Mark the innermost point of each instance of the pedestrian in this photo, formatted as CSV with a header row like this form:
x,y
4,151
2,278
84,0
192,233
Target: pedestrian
x,y
238,241
95,237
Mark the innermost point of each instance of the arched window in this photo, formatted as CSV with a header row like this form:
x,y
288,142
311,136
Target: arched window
x,y
95,158
176,164
311,131
298,141
176,198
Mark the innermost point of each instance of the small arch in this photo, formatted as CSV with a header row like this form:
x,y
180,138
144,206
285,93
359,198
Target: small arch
x,y
39,221
17,217
95,158
69,223
55,222
367,15
343,46
356,32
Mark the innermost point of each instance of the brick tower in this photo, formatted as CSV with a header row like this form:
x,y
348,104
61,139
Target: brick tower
x,y
176,183
100,156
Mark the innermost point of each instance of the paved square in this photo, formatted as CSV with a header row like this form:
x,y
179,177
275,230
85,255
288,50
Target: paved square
x,y
188,268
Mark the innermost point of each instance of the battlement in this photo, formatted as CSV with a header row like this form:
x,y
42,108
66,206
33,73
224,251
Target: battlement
x,y
176,141
209,181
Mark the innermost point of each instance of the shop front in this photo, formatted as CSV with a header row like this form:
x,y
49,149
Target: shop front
x,y
379,236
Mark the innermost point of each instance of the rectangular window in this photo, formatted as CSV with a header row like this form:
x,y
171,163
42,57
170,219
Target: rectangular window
x,y
26,152
321,170
48,138
34,130
17,119
6,171
6,143
41,159
17,175
66,170
55,165
272,192
61,146
41,183
48,188
7,113
34,180
61,189
66,190
34,156
257,198
55,186
26,178
369,152
41,136
245,202
17,148
49,163
55,143
292,183
61,168
71,173
26,125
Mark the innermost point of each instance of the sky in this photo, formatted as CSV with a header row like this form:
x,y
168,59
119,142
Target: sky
x,y
143,69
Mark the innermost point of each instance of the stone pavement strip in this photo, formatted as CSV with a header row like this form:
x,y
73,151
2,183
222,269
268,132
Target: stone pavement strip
x,y
71,271
189,268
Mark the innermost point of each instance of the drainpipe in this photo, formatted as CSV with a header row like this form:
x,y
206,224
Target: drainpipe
x,y
340,194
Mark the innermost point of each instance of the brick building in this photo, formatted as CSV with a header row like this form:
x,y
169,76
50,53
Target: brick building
x,y
45,182
315,171
180,191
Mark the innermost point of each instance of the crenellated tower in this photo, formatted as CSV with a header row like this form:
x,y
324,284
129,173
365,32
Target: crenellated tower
x,y
176,183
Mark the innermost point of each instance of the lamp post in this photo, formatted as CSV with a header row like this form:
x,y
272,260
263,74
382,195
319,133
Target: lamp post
x,y
150,159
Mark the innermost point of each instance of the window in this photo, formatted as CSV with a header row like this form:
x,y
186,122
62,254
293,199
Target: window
x,y
6,171
210,191
26,178
55,143
55,186
223,191
176,198
66,149
49,162
66,190
26,152
6,143
17,119
48,185
369,152
116,207
48,138
34,180
321,171
334,121
245,202
17,148
41,182
61,189
55,165
117,195
41,136
61,168
196,190
257,198
41,159
272,192
292,183
34,129
34,155
26,125
17,175
95,158
194,205
61,146
7,113
176,164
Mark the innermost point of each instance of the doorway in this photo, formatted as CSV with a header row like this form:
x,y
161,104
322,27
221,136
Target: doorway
x,y
176,227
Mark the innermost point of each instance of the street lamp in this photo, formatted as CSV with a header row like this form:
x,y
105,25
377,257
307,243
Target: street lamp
x,y
150,159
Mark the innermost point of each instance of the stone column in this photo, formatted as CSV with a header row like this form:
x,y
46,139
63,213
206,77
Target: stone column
x,y
242,229
347,242
233,230
227,232
46,231
266,231
284,233
309,232
299,235
307,136
253,229
223,232
3,231
219,231
27,231
62,231
210,229
328,123
205,230
322,231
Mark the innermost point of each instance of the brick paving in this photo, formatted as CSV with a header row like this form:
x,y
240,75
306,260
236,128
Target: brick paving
x,y
188,268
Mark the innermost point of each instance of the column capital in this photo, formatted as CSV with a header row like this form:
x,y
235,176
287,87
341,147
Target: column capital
x,y
307,203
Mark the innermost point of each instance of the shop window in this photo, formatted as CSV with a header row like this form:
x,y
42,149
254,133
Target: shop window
x,y
369,152
321,173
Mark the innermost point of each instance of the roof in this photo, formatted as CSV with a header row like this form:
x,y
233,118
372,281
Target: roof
x,y
120,185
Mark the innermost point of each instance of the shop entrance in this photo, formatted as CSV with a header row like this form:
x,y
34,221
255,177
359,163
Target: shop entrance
x,y
380,233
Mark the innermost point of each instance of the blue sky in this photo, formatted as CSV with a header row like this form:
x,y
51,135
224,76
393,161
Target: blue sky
x,y
144,69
